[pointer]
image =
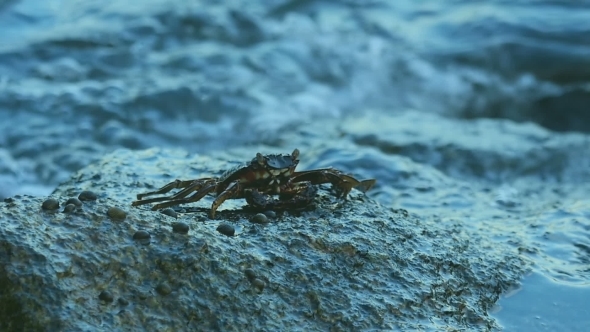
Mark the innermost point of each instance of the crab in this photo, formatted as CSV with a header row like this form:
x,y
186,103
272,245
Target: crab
x,y
258,181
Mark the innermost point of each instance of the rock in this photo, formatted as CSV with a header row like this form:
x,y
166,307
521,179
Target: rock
x,y
69,208
180,227
226,229
50,204
259,218
106,296
142,237
169,212
258,284
250,274
358,266
76,202
116,213
270,214
87,196
163,289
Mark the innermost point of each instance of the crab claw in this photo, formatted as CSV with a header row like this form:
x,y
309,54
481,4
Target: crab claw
x,y
260,158
365,185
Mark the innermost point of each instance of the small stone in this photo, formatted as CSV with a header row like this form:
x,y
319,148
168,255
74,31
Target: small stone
x,y
122,301
50,204
75,201
87,195
250,274
9,200
180,227
69,208
116,213
169,212
142,237
226,229
259,218
270,214
106,296
258,284
163,289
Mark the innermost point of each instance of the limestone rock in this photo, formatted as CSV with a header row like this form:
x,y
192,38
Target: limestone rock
x,y
339,265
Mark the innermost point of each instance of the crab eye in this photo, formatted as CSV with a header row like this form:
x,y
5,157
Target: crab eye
x,y
260,158
295,154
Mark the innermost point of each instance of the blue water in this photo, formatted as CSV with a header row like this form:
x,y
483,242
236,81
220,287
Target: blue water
x,y
556,307
81,78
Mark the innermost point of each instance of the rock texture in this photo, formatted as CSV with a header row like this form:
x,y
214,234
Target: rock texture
x,y
339,265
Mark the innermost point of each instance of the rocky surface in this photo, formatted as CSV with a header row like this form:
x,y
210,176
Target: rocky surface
x,y
352,265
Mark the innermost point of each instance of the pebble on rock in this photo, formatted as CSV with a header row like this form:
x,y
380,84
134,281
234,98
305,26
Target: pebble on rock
x,y
69,208
259,218
75,201
169,212
142,237
250,274
87,195
254,280
226,229
270,214
116,213
180,227
258,284
106,296
50,204
163,289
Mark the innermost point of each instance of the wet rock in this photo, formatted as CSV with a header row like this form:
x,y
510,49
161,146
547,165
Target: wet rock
x,y
306,261
254,280
270,214
69,208
170,212
259,284
163,289
250,274
259,218
122,301
74,201
50,204
180,227
87,196
116,213
106,296
142,237
226,229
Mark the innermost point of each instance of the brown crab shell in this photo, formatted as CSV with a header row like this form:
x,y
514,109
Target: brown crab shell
x,y
260,169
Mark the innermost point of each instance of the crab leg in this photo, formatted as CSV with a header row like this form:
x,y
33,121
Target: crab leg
x,y
209,187
189,186
232,190
172,185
